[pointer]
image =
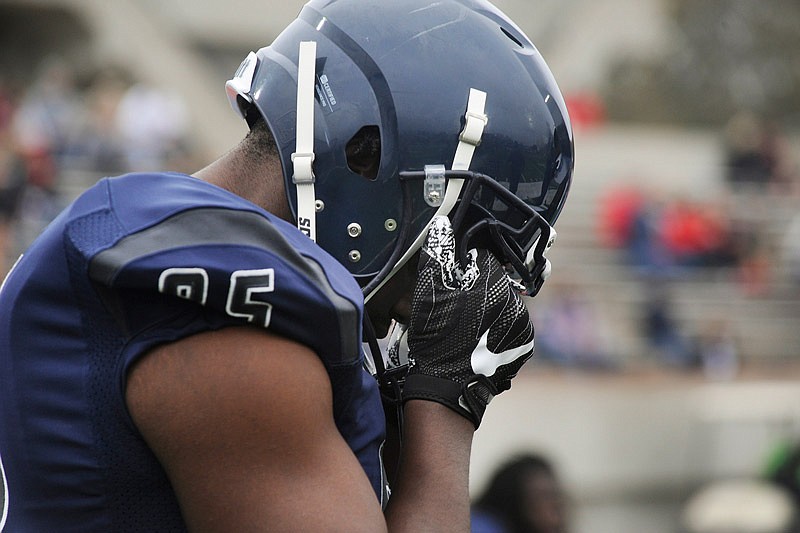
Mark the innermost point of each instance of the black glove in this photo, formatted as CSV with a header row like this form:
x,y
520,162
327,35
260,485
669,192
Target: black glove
x,y
470,331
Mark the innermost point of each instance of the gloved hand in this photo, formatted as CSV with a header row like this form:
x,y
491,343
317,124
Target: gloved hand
x,y
469,332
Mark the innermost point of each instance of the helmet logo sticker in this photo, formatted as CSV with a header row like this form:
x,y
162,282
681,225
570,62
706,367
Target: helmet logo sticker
x,y
325,94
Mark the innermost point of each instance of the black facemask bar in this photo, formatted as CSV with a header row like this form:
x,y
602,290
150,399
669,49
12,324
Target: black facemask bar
x,y
520,246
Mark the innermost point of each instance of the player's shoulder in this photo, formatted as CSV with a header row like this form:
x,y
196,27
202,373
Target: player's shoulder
x,y
178,237
176,213
139,200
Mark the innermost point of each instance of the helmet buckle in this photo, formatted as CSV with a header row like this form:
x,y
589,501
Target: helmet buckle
x,y
435,184
303,167
473,127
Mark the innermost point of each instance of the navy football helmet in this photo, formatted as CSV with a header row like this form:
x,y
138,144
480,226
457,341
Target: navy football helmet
x,y
458,109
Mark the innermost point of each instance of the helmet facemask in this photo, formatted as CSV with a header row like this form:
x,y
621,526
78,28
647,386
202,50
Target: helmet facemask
x,y
516,234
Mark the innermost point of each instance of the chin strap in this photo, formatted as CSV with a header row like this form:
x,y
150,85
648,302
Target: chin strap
x,y
303,157
239,87
475,121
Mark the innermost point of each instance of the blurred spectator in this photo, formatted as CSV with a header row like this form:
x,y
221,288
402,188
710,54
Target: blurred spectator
x,y
618,211
98,145
718,352
791,250
783,165
63,135
48,113
13,175
39,204
696,234
569,331
586,109
755,267
663,333
663,237
44,127
757,155
524,495
747,161
646,249
153,124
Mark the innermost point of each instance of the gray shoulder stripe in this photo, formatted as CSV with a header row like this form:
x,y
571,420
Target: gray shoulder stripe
x,y
191,228
219,226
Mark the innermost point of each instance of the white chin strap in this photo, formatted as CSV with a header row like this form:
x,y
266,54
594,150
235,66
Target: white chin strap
x,y
303,157
475,122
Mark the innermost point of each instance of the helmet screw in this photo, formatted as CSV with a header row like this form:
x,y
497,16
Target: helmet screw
x,y
390,224
319,205
355,256
354,229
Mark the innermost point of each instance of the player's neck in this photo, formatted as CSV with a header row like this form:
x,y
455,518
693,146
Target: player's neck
x,y
260,184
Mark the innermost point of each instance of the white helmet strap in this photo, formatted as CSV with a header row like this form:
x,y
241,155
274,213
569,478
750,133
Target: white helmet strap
x,y
470,137
303,156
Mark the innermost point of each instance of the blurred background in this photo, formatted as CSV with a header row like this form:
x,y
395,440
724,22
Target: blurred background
x,y
669,333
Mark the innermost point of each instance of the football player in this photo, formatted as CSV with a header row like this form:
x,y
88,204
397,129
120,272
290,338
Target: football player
x,y
187,352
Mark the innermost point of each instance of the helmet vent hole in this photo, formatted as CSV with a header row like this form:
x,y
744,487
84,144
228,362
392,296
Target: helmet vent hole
x,y
510,36
363,152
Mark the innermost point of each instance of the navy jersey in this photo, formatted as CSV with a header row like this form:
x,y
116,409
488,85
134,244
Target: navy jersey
x,y
137,261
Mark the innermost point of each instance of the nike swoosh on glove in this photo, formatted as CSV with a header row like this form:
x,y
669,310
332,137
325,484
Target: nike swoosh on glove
x,y
469,333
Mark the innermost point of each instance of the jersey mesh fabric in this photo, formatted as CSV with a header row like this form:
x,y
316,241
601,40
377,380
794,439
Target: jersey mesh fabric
x,y
138,494
77,462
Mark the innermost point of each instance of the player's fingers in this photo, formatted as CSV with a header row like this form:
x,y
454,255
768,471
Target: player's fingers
x,y
439,252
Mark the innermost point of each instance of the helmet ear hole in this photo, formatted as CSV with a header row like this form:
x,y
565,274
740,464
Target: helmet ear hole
x,y
363,152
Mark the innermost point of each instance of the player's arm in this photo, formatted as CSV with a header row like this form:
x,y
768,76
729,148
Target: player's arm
x,y
468,336
432,487
242,421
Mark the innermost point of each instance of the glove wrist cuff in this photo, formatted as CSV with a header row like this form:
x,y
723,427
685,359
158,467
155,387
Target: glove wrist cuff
x,y
444,391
